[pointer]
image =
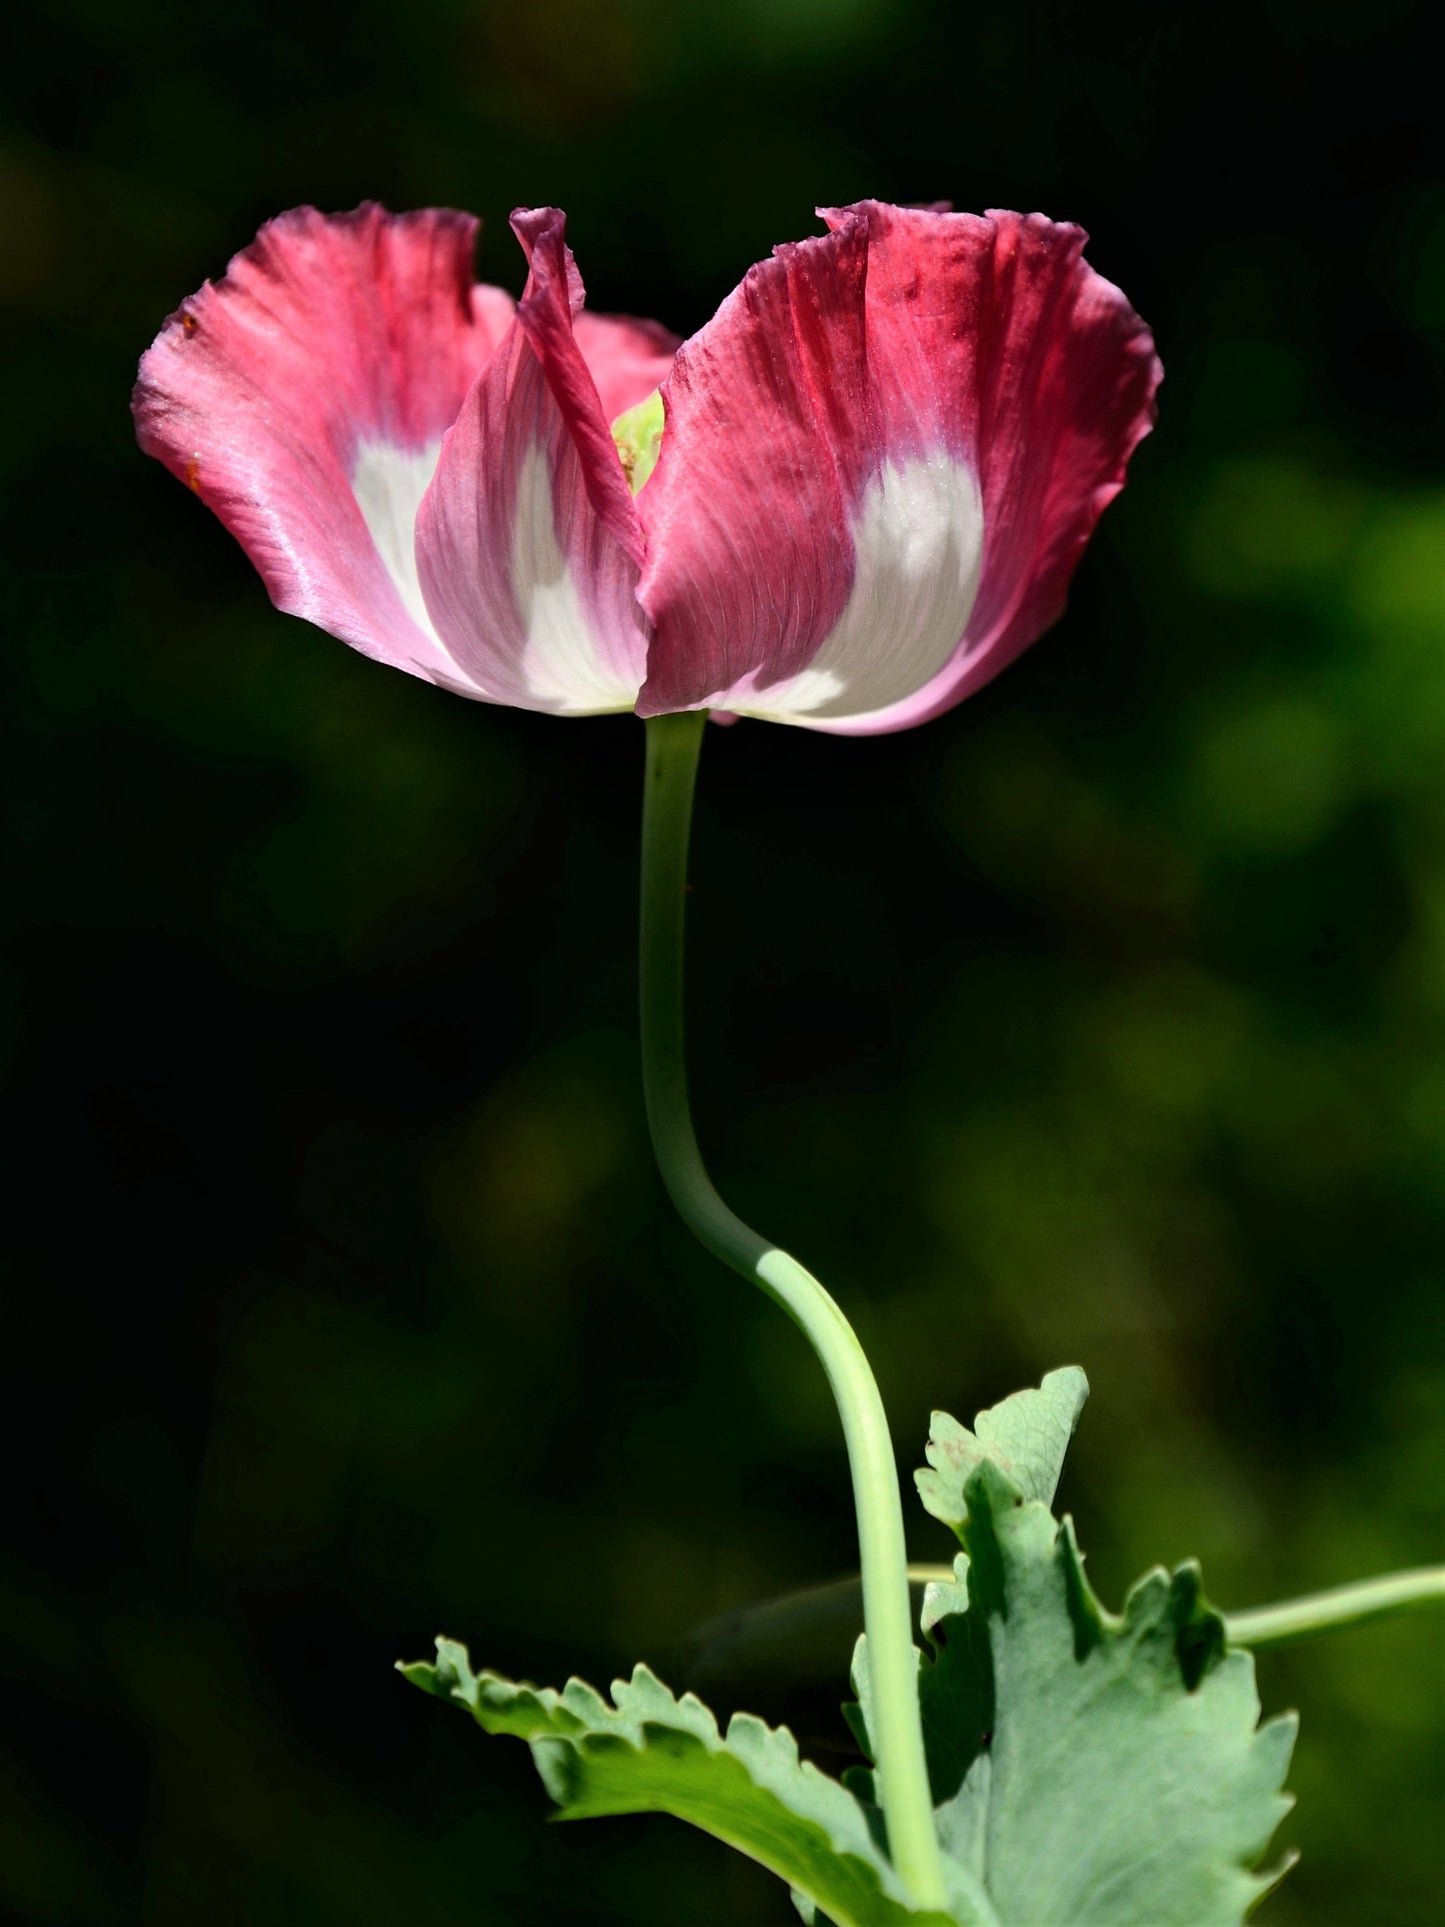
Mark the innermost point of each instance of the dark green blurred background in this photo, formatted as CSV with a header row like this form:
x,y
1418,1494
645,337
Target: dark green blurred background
x,y
1102,1020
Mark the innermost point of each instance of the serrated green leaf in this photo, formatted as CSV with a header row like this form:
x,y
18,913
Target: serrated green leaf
x,y
1026,1437
648,1752
1090,1770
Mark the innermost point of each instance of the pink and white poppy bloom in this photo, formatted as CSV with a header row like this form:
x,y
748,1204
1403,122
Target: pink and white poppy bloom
x,y
846,502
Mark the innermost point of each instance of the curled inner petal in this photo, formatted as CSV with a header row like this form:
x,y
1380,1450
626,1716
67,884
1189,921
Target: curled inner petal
x,y
564,667
527,539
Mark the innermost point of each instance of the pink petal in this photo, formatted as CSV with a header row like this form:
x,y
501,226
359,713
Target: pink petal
x,y
991,406
304,398
528,542
1060,378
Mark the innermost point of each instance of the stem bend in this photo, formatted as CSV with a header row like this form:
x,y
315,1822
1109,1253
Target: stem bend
x,y
673,747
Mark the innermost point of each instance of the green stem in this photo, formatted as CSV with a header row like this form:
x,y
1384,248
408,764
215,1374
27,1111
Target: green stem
x,y
1290,1620
1322,1612
673,746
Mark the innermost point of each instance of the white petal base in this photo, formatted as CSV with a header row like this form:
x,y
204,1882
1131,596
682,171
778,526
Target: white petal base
x,y
918,542
388,483
563,659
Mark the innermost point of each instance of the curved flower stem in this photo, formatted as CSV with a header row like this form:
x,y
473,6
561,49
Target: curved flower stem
x,y
1322,1612
673,745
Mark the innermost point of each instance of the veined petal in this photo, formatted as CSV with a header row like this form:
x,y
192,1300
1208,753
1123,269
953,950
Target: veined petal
x,y
998,390
528,543
304,398
994,335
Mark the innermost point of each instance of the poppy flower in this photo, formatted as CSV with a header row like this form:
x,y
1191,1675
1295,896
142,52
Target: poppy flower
x,y
846,502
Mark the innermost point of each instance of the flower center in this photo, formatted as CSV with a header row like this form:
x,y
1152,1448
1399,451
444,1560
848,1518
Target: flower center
x,y
638,435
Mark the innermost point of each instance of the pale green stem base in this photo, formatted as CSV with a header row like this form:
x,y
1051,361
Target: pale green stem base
x,y
673,746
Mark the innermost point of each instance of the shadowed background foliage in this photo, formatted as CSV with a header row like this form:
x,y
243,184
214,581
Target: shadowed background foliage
x,y
1102,1020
